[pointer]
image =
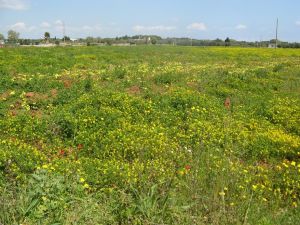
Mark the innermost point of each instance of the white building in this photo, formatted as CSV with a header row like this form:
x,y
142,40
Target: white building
x,y
272,45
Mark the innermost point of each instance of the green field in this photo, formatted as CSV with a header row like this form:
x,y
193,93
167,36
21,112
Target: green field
x,y
149,135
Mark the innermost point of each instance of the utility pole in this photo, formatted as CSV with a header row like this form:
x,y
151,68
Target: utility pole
x,y
276,44
64,32
260,41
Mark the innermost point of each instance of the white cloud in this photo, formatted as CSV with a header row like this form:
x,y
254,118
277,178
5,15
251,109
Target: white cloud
x,y
298,23
45,25
240,27
21,26
18,26
59,25
139,28
56,29
85,28
197,26
59,22
12,4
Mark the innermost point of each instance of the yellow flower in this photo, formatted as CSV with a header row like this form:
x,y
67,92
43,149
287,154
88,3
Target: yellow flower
x,y
278,167
86,186
82,180
293,163
181,172
222,193
254,187
45,166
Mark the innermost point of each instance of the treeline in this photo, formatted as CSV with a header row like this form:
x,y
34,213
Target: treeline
x,y
13,38
153,39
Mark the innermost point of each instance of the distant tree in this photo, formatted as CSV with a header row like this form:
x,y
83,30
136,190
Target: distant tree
x,y
47,36
90,39
13,36
66,38
169,41
109,42
153,41
27,41
24,41
217,42
1,37
126,37
227,41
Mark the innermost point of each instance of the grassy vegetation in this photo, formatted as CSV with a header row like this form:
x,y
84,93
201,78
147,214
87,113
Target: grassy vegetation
x,y
149,135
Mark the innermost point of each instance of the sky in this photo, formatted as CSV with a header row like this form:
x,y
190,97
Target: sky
x,y
248,20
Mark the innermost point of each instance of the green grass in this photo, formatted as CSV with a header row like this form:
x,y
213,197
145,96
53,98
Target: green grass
x,y
141,135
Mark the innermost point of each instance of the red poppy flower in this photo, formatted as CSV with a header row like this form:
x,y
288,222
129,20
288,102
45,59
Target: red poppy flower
x,y
62,152
227,103
188,167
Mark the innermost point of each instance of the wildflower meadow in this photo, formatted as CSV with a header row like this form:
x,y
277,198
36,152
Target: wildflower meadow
x,y
149,135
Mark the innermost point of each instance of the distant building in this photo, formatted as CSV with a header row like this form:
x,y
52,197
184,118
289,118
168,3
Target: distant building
x,y
272,45
121,44
43,45
2,43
